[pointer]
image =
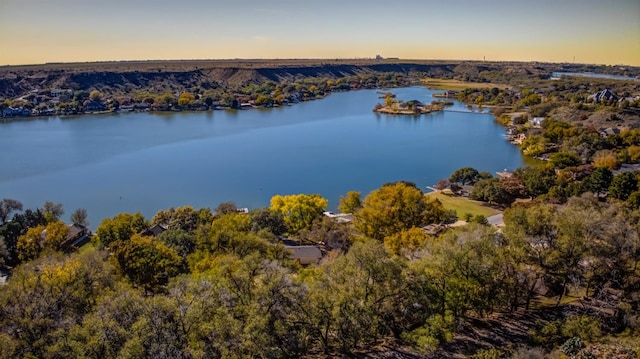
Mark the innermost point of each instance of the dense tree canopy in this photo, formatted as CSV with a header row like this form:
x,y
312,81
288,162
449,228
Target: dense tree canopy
x,y
395,207
465,175
120,228
299,210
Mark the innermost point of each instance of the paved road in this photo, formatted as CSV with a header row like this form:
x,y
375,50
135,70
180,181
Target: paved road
x,y
496,221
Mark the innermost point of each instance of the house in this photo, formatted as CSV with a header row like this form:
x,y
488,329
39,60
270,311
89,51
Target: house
x,y
339,217
77,236
95,106
604,95
536,121
609,131
154,231
15,112
305,255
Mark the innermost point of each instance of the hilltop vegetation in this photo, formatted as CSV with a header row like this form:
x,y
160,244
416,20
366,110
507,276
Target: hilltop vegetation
x,y
199,85
219,284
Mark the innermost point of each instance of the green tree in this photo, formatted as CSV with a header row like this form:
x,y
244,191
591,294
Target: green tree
x,y
146,262
598,181
46,297
351,202
120,228
623,185
299,210
537,180
464,175
395,207
267,219
491,190
356,299
18,226
564,159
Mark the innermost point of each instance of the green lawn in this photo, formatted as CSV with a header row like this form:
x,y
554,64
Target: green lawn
x,y
464,205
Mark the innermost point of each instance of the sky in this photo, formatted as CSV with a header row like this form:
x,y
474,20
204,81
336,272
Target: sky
x,y
582,31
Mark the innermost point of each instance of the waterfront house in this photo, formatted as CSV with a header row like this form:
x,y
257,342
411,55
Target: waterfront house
x,y
77,236
154,231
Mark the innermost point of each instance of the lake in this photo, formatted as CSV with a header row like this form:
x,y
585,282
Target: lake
x,y
145,162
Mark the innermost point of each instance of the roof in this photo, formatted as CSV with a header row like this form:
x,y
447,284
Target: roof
x,y
154,230
299,252
74,229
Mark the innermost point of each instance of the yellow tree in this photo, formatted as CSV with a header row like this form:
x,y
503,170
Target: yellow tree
x,y
395,207
36,239
299,210
406,242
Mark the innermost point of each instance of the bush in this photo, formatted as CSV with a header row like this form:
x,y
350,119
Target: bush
x,y
492,353
583,327
572,346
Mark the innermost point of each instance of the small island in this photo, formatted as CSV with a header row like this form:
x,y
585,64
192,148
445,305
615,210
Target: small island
x,y
393,106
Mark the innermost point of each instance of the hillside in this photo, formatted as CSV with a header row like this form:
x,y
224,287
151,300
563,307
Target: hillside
x,y
160,76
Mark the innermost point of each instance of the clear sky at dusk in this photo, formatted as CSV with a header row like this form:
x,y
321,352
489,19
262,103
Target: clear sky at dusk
x,y
38,31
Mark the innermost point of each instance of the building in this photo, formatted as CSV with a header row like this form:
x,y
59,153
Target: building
x,y
77,236
536,121
154,231
604,95
305,255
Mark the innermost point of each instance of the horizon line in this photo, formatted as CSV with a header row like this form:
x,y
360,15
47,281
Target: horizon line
x,y
310,59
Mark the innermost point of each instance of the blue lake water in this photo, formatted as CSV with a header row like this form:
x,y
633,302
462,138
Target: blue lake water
x,y
144,162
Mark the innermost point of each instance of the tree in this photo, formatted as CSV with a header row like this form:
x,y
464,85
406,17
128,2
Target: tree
x,y
623,185
606,158
95,95
464,175
121,227
395,207
225,208
79,216
36,239
52,211
351,202
328,232
564,159
266,219
18,226
406,242
491,190
186,98
537,180
46,297
7,206
146,262
299,210
598,181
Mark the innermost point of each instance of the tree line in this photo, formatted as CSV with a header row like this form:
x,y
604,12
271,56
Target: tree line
x,y
220,284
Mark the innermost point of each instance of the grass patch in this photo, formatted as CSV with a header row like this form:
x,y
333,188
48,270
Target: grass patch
x,y
464,205
448,84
